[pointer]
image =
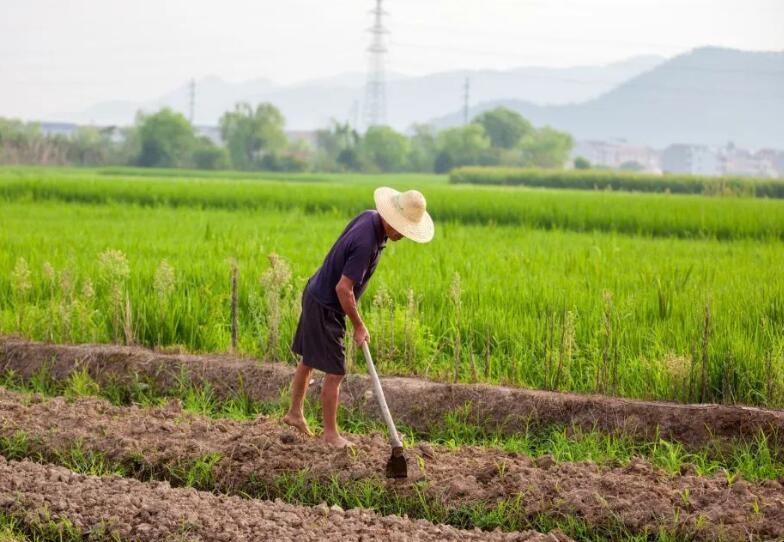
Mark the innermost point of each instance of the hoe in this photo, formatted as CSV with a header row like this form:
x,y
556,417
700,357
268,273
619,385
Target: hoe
x,y
396,466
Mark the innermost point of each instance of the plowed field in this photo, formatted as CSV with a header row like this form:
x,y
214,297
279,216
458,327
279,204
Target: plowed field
x,y
255,457
112,507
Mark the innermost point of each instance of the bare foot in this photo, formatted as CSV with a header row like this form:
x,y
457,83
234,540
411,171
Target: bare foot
x,y
336,441
298,423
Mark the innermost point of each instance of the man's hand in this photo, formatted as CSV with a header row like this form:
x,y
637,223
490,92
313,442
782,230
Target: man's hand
x,y
345,292
361,335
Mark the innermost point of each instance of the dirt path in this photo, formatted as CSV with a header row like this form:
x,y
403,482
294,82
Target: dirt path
x,y
255,454
418,403
154,511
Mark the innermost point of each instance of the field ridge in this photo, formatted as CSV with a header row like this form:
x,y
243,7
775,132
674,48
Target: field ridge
x,y
420,404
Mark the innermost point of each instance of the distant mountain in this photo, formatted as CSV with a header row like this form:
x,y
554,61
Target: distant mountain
x,y
212,94
709,95
311,104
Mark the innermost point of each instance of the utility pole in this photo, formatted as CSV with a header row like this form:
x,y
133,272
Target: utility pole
x,y
191,100
466,91
375,110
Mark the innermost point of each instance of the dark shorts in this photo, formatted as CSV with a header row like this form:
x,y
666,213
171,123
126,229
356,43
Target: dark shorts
x,y
319,337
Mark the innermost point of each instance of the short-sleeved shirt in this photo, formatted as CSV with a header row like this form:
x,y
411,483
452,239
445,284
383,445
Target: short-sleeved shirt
x,y
355,254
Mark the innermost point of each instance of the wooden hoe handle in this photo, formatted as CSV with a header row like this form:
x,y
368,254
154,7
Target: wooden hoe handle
x,y
382,402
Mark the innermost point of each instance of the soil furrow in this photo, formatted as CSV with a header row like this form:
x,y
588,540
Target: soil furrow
x,y
133,510
420,404
255,455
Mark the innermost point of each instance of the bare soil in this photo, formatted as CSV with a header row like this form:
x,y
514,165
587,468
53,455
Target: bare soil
x,y
420,404
133,510
639,497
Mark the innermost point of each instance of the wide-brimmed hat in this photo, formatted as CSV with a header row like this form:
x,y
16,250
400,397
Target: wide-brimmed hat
x,y
406,212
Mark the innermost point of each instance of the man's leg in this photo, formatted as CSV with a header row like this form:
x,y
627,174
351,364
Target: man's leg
x,y
295,416
330,394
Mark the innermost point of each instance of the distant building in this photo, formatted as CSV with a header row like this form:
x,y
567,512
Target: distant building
x,y
65,129
775,158
308,137
727,160
744,163
690,159
616,154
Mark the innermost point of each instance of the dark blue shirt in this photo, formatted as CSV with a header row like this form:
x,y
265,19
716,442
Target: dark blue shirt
x,y
355,254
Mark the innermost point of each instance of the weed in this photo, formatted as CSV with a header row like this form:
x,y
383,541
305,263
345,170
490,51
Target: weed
x,y
80,384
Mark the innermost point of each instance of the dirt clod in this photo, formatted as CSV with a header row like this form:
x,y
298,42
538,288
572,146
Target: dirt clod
x,y
545,462
288,438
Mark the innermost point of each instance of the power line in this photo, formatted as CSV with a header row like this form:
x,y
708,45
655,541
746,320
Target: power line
x,y
512,54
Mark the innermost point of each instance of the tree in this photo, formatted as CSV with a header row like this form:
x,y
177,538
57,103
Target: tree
x,y
384,149
349,159
346,135
207,155
423,148
251,134
461,146
89,146
631,165
504,127
24,143
337,147
546,147
444,163
327,143
166,139
582,163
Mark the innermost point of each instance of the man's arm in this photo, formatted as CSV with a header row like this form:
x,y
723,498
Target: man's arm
x,y
345,291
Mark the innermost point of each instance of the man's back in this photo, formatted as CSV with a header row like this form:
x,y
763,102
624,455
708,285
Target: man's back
x,y
355,254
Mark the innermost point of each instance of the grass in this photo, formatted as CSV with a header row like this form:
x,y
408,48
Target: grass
x,y
197,473
10,531
43,528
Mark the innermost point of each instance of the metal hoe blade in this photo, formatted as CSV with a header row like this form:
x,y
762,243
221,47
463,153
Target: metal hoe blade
x,y
397,467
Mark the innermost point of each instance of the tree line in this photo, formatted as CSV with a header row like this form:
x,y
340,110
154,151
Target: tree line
x,y
254,138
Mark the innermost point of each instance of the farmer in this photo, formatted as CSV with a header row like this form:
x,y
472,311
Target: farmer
x,y
332,293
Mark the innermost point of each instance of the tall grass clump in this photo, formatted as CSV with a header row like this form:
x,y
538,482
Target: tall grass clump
x,y
384,306
114,271
164,285
22,284
276,282
456,297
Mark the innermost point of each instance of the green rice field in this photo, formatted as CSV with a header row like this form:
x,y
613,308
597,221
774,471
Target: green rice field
x,y
674,297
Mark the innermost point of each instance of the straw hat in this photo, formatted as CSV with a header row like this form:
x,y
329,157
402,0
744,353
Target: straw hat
x,y
406,212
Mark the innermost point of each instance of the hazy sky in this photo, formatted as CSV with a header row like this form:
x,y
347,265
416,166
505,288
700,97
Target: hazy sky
x,y
65,55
